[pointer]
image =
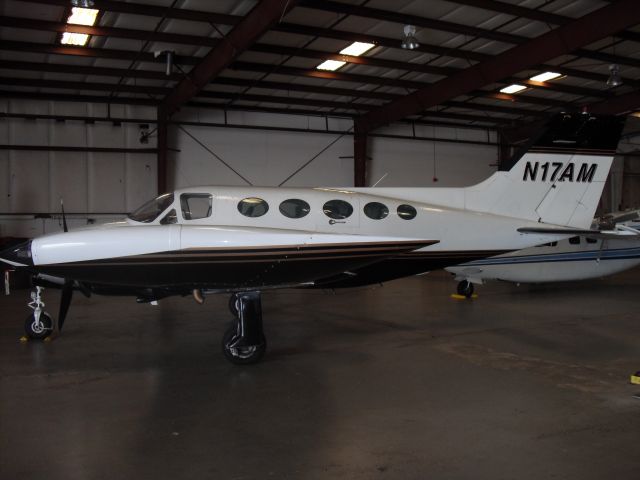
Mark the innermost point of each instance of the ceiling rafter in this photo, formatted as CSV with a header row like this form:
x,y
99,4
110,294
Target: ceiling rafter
x,y
477,122
534,14
244,34
276,49
158,75
186,60
320,103
567,38
433,24
18,22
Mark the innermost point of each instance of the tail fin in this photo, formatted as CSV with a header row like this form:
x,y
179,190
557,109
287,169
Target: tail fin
x,y
559,179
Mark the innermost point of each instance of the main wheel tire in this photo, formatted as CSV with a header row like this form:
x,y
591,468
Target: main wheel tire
x,y
233,305
38,332
242,355
465,288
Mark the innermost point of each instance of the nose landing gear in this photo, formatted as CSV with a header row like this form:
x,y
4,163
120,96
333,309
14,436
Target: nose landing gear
x,y
244,342
39,325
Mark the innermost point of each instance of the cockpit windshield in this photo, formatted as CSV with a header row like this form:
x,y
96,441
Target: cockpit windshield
x,y
148,212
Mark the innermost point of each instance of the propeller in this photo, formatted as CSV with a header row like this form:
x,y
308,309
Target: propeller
x,y
64,218
65,302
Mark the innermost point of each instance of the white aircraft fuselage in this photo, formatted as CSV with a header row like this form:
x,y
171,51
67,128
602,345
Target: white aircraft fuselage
x,y
227,250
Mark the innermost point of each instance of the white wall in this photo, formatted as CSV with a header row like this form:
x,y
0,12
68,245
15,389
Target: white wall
x,y
95,184
266,158
91,183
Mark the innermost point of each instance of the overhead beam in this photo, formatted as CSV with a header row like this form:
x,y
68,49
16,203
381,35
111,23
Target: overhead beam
x,y
625,103
288,100
240,38
301,52
567,38
96,30
533,14
435,24
467,55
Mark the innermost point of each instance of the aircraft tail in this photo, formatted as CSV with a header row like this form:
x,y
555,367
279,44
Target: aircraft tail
x,y
559,178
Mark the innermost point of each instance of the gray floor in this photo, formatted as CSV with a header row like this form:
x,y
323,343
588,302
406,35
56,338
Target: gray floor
x,y
397,382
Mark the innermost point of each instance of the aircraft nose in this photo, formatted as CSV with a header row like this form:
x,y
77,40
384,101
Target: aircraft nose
x,y
19,255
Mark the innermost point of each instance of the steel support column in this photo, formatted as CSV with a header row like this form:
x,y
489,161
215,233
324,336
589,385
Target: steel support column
x,y
359,159
162,149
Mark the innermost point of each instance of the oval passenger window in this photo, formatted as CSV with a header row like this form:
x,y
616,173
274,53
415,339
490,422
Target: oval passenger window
x,y
406,212
253,207
294,208
337,209
376,210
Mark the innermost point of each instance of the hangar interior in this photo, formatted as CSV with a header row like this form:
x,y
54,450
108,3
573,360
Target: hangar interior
x,y
106,110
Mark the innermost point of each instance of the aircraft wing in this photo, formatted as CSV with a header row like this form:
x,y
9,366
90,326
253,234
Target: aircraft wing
x,y
620,232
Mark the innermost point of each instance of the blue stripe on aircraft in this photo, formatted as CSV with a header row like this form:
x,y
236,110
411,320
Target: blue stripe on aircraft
x,y
615,254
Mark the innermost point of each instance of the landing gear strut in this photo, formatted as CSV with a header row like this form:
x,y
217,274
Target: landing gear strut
x,y
39,324
244,342
465,288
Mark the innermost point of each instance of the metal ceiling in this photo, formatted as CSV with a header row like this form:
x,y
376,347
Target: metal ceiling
x,y
275,68
263,55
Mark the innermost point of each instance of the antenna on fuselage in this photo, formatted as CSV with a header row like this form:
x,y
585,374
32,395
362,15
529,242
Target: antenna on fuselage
x,y
64,218
381,178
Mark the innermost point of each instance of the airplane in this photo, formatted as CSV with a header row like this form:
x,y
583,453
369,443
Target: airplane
x,y
581,257
245,240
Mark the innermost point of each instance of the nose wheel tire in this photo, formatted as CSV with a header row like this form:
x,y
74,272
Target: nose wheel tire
x,y
241,355
38,331
465,288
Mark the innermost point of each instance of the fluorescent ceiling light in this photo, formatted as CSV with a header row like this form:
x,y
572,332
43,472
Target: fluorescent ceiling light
x,y
515,88
357,48
330,65
83,16
545,77
69,38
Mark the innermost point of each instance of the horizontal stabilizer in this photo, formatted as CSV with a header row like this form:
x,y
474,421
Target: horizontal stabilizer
x,y
621,233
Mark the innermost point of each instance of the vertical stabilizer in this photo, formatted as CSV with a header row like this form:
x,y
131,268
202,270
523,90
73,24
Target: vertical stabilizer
x,y
560,177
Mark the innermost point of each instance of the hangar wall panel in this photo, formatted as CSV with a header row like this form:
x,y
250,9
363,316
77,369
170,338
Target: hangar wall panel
x,y
416,163
102,186
68,181
264,158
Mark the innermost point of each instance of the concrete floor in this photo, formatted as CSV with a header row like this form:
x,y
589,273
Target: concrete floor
x,y
400,382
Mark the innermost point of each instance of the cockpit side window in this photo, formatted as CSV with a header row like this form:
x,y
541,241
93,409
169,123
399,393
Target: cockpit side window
x,y
148,212
196,205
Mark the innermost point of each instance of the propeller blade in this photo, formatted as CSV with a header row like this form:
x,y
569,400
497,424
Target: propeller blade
x,y
65,302
64,218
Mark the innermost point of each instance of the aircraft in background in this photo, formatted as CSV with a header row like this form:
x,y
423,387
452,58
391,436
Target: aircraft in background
x,y
243,240
581,257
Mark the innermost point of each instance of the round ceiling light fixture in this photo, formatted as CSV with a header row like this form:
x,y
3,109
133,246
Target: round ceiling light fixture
x,y
409,41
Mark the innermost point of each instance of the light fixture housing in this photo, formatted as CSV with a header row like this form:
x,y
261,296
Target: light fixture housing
x,y
79,16
357,48
614,80
69,38
514,88
409,41
545,76
82,3
330,65
83,16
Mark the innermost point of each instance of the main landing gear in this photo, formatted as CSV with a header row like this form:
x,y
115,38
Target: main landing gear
x,y
39,325
244,342
465,288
